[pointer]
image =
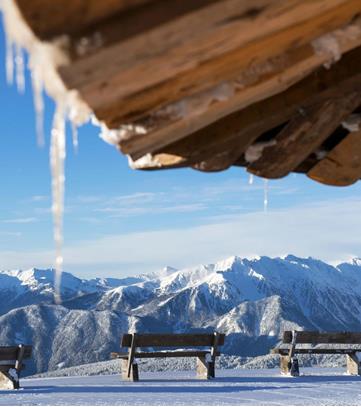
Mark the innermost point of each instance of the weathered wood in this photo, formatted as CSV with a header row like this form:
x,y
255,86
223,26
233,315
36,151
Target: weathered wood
x,y
11,364
317,350
324,337
203,371
172,340
304,134
133,22
285,365
6,367
179,62
19,357
240,129
49,19
133,375
259,81
164,354
206,358
11,352
342,165
131,353
6,381
353,364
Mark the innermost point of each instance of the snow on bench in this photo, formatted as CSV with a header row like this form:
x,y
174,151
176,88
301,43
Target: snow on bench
x,y
11,364
313,342
205,358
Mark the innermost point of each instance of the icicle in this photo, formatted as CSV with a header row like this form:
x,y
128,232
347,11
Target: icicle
x,y
250,179
20,72
9,60
265,198
57,158
38,105
74,130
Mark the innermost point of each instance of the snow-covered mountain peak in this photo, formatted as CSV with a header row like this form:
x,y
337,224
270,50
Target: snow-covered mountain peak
x,y
227,264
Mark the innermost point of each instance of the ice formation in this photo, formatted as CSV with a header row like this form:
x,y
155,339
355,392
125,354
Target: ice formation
x,y
265,197
352,123
329,46
44,58
254,152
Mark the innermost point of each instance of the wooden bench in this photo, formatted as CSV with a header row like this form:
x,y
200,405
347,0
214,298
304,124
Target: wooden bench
x,y
348,343
205,358
11,364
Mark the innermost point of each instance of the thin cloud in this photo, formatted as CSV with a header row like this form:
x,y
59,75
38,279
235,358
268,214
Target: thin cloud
x,y
326,230
148,210
20,220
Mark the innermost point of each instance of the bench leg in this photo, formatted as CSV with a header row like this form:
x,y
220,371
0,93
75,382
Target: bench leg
x,y
353,364
289,366
7,382
205,370
134,373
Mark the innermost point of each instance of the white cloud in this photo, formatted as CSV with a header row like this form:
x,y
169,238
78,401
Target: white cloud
x,y
328,230
145,210
20,220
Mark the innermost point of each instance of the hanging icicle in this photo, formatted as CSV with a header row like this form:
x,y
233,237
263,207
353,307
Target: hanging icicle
x,y
265,195
74,132
57,158
37,84
19,64
9,60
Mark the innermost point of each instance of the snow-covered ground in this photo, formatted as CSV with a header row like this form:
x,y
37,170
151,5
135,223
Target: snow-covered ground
x,y
232,387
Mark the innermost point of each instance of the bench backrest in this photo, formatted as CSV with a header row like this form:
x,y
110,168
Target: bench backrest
x,y
323,337
11,352
171,340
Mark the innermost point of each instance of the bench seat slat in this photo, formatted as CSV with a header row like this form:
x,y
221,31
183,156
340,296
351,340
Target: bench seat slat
x,y
163,354
342,351
5,368
11,352
171,340
324,337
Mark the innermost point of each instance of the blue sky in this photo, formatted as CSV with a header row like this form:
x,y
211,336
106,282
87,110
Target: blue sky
x,y
120,222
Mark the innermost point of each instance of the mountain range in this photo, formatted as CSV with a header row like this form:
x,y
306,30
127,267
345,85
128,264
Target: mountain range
x,y
250,300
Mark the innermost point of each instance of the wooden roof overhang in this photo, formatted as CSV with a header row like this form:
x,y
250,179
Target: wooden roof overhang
x,y
271,85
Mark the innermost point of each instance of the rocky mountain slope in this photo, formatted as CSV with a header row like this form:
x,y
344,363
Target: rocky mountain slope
x,y
251,300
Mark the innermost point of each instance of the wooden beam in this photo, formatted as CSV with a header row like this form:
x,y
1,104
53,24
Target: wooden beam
x,y
49,19
236,132
304,134
316,337
260,81
171,61
341,166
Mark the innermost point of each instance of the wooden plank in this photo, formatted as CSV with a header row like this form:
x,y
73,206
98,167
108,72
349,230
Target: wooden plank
x,y
172,340
11,352
133,22
164,354
19,357
131,353
6,367
134,371
304,134
49,19
316,351
6,382
173,61
324,337
342,165
236,132
259,81
353,364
